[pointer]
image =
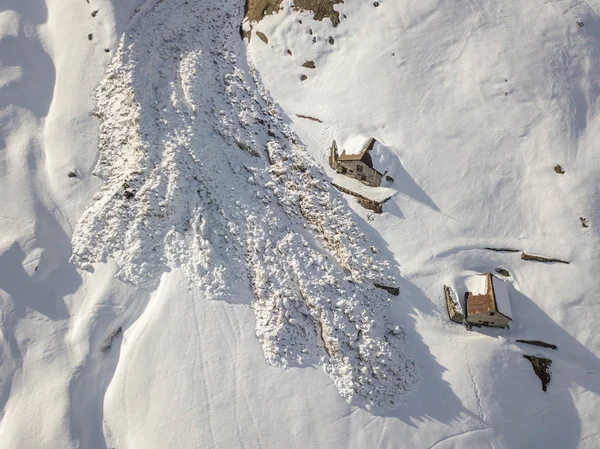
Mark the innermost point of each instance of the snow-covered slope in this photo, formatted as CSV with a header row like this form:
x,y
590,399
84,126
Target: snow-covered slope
x,y
479,101
199,222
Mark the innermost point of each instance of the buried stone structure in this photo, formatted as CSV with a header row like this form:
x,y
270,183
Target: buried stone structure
x,y
455,311
487,301
357,163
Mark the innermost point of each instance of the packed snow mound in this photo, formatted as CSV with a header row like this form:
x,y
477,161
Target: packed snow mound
x,y
201,173
384,160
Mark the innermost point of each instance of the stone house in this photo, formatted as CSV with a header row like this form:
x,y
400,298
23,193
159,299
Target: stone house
x,y
358,165
487,301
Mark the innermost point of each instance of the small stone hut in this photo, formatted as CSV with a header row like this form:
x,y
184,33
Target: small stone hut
x,y
358,165
487,301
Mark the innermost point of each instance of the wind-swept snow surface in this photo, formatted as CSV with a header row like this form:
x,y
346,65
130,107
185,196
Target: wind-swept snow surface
x,y
201,173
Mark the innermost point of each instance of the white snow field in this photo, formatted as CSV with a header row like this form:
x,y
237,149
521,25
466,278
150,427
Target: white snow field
x,y
196,282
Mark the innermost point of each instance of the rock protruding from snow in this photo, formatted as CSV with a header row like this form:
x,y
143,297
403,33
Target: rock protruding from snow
x,y
201,174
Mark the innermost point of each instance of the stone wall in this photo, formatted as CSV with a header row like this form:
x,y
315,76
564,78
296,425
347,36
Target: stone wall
x,y
333,156
490,319
361,171
367,203
454,311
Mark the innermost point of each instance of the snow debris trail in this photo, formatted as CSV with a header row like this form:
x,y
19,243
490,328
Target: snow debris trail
x,y
201,173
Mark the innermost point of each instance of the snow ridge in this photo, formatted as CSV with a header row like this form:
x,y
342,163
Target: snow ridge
x,y
201,173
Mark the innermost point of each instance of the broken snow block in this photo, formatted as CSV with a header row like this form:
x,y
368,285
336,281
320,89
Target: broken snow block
x,y
541,368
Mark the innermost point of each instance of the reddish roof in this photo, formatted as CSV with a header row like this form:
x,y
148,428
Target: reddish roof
x,y
482,303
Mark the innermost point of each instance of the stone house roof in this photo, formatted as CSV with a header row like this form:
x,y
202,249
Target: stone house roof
x,y
362,156
488,294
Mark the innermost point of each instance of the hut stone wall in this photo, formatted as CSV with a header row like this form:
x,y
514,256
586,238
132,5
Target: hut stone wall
x,y
354,169
361,171
454,311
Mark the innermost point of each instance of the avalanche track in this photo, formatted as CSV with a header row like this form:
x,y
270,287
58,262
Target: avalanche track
x,y
202,173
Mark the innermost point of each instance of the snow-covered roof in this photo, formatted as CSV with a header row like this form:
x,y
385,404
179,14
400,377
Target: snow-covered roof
x,y
477,284
379,156
354,145
502,297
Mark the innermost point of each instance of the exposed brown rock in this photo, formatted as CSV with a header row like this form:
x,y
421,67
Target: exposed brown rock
x,y
321,9
391,290
263,37
541,368
308,117
533,258
538,343
503,272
